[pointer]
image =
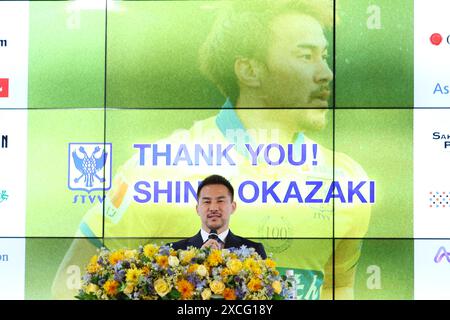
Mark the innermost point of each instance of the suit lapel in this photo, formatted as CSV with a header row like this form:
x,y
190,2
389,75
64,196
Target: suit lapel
x,y
231,241
196,241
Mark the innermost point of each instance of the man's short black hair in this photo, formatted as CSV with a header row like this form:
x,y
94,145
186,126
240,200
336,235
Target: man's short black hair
x,y
216,179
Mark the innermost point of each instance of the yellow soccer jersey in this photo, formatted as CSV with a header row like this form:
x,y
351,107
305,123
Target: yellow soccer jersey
x,y
299,234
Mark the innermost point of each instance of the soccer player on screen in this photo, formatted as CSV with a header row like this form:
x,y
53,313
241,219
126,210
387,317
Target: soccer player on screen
x,y
270,55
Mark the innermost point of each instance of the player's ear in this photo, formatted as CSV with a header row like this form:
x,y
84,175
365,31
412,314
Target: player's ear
x,y
196,208
233,206
248,72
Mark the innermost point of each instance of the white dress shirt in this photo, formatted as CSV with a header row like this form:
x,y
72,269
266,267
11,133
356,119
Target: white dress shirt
x,y
222,236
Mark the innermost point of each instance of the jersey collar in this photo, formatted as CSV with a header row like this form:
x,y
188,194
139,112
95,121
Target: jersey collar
x,y
234,131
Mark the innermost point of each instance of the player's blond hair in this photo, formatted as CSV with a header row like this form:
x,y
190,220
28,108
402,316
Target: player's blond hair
x,y
243,30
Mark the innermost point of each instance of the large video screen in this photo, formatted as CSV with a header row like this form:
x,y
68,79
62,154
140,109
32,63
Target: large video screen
x,y
328,118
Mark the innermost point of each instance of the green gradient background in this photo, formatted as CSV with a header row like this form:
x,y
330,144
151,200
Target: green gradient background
x,y
374,67
152,63
66,56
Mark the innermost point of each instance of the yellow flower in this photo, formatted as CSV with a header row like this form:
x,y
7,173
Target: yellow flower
x,y
202,271
253,266
254,285
257,270
163,261
225,272
111,287
217,286
249,263
92,288
234,265
93,260
215,258
229,294
276,285
150,250
206,294
186,256
129,288
173,261
270,263
129,254
133,275
115,257
161,287
185,288
93,267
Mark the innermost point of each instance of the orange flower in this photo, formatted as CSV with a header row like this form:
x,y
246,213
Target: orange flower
x,y
192,268
115,257
270,263
163,261
145,270
185,288
254,285
229,294
111,287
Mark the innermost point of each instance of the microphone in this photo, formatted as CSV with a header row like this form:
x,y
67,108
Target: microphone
x,y
213,234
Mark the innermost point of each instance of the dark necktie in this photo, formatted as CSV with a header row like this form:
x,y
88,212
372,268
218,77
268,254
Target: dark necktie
x,y
214,236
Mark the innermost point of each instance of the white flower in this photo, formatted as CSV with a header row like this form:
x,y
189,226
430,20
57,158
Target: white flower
x,y
173,261
202,271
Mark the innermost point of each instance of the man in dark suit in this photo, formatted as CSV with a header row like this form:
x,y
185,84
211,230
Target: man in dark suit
x,y
215,205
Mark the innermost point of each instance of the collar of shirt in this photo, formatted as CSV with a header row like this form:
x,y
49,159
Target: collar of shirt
x,y
222,236
228,121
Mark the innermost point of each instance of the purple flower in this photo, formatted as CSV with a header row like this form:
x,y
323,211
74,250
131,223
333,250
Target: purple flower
x,y
164,250
118,266
100,261
243,251
101,282
192,278
200,285
239,293
119,275
151,289
87,277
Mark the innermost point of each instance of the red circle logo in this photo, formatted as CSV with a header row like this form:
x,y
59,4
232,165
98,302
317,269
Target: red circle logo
x,y
436,39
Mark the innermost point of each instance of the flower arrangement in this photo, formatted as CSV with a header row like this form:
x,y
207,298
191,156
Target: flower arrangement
x,y
160,272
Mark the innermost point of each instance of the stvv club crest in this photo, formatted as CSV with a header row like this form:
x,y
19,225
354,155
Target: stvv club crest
x,y
90,166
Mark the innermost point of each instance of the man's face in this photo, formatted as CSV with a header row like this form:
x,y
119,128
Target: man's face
x,y
215,207
297,74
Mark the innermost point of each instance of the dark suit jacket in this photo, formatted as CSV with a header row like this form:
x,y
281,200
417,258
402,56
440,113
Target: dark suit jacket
x,y
230,241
